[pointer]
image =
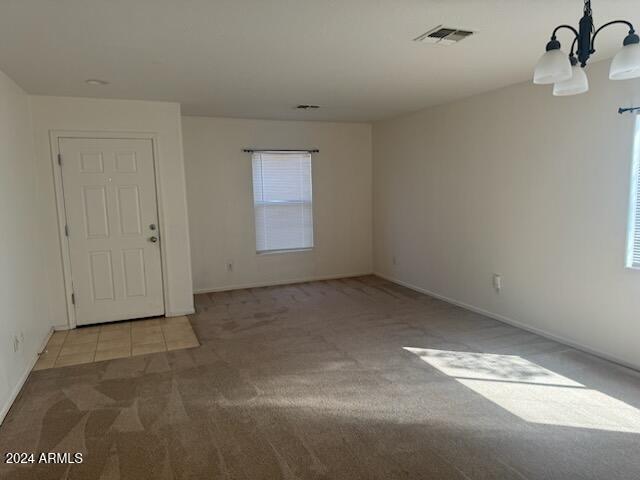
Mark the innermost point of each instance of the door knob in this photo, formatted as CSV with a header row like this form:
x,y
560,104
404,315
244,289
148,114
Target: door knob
x,y
153,239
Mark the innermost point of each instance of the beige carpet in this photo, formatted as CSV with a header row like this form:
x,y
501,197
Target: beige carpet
x,y
346,379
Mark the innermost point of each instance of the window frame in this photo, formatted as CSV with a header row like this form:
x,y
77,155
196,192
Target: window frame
x,y
280,251
634,199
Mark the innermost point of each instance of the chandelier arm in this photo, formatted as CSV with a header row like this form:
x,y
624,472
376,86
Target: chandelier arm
x,y
569,27
614,22
573,46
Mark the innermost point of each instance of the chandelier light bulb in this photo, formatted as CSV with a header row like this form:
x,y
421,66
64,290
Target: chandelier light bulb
x,y
578,83
626,64
553,66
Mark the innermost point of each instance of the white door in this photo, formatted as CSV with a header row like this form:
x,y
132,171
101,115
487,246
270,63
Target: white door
x,y
112,217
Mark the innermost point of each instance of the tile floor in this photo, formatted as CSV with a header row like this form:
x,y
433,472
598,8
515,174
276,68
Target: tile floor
x,y
116,340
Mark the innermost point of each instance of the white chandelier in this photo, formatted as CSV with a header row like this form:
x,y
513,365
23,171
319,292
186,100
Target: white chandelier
x,y
566,72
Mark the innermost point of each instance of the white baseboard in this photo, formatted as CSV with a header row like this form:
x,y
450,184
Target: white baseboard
x,y
279,282
16,390
515,323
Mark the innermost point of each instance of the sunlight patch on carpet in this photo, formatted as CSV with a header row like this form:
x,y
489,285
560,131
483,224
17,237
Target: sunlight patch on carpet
x,y
532,392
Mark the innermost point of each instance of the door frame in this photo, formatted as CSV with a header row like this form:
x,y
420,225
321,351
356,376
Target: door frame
x,y
65,255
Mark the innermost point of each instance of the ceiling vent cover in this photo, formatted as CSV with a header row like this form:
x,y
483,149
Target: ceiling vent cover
x,y
444,35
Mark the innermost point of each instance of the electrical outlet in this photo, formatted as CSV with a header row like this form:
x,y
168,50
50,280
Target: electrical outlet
x,y
229,266
394,260
16,344
497,282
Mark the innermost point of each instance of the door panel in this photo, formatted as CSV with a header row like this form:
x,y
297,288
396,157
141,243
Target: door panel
x,y
129,210
96,217
134,273
110,202
101,267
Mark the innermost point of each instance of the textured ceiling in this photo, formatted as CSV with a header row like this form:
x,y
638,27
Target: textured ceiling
x,y
260,58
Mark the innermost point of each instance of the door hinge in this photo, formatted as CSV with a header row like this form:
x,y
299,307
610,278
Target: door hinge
x,y
73,298
66,230
59,159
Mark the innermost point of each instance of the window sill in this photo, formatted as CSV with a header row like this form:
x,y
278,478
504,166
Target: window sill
x,y
278,252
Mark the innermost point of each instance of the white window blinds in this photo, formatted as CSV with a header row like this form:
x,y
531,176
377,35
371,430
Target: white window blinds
x,y
633,255
282,200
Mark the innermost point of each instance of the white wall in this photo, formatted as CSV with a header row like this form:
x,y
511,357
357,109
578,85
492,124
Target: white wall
x,y
523,184
220,197
161,118
23,297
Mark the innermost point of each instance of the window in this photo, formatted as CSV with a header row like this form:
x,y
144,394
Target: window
x,y
282,201
633,253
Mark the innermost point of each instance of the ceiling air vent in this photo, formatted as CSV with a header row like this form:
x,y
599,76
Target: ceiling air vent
x,y
444,35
